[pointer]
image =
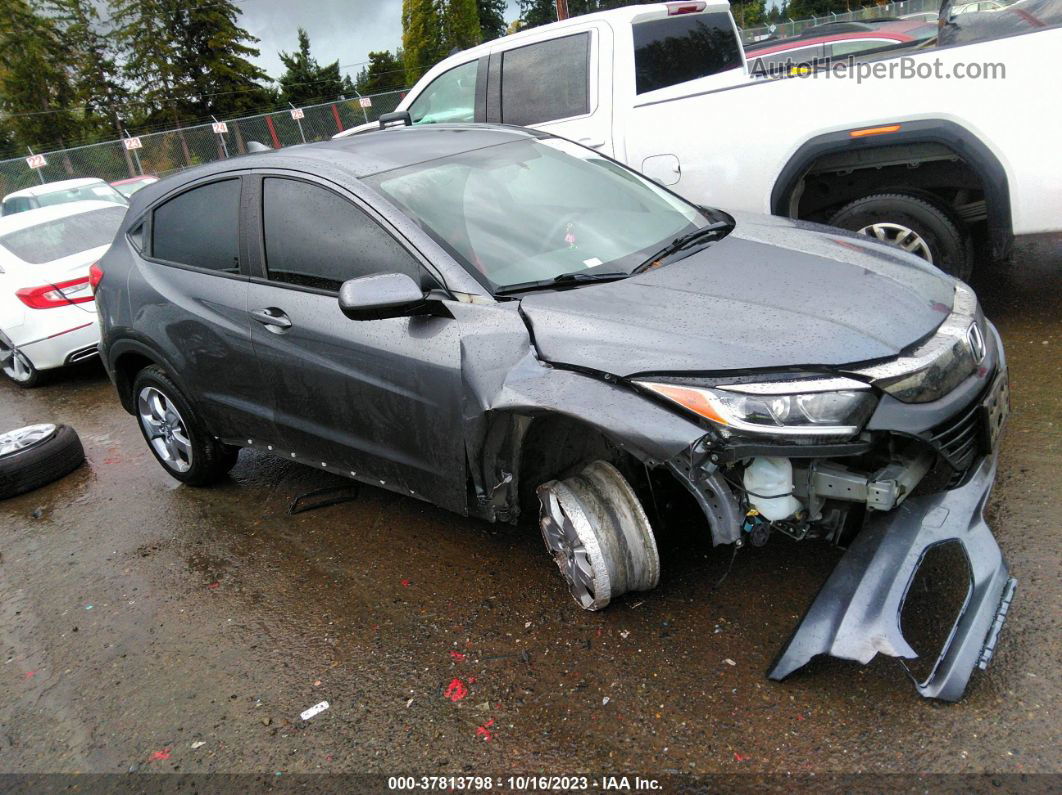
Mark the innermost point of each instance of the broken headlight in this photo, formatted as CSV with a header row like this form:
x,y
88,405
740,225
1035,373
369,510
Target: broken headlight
x,y
835,407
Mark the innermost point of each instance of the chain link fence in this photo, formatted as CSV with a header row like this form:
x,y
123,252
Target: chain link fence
x,y
781,30
162,153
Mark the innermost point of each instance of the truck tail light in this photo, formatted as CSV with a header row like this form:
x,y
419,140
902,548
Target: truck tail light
x,y
674,9
95,276
76,291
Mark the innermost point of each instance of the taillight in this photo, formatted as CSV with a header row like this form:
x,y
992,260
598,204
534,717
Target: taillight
x,y
77,291
95,276
674,9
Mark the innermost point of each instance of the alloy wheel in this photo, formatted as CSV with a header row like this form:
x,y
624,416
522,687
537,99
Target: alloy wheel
x,y
23,438
900,236
15,364
165,429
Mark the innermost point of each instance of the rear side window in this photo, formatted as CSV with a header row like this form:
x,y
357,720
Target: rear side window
x,y
199,228
63,237
546,81
316,238
677,49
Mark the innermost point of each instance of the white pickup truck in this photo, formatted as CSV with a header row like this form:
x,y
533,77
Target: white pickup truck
x,y
908,146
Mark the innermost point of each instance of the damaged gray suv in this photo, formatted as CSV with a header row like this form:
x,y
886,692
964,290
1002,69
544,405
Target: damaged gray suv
x,y
505,324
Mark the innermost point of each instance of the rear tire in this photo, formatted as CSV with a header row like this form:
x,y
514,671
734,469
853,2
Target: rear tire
x,y
598,534
17,366
913,224
174,432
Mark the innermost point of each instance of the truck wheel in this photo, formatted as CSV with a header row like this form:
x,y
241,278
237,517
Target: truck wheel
x,y
598,535
912,224
33,456
175,434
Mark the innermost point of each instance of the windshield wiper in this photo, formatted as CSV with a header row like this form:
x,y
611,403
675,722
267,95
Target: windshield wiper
x,y
685,241
576,277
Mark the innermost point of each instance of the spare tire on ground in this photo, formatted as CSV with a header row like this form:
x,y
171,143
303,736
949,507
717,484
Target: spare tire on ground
x,y
33,456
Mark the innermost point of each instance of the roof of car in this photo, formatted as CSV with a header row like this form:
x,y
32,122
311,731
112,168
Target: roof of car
x,y
356,156
52,187
131,180
41,215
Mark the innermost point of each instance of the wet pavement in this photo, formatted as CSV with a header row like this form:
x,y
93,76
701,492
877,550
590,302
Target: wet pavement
x,y
148,626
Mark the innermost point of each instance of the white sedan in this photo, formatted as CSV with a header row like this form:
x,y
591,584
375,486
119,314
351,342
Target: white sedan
x,y
47,312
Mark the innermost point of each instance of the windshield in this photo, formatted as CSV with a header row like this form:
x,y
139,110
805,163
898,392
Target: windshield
x,y
62,237
533,209
100,193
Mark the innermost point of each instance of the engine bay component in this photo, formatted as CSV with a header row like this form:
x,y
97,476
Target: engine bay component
x,y
598,534
769,485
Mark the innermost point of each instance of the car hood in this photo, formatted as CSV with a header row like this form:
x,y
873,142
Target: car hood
x,y
772,293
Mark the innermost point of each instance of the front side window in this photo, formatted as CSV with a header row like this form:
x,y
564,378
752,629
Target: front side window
x,y
546,81
199,228
64,237
315,238
674,50
531,210
450,97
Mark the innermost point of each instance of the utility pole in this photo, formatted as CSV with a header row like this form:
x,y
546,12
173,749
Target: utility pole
x,y
562,9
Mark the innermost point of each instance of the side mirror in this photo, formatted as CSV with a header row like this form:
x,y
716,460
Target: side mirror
x,y
380,296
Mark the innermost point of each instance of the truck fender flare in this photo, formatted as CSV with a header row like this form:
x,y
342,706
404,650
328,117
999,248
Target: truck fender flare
x,y
955,137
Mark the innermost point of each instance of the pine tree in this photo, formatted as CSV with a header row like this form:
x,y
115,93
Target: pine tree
x,y
35,90
306,82
384,72
491,19
422,44
144,32
537,12
460,25
212,56
90,59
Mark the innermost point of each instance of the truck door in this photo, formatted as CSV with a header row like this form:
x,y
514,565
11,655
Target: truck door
x,y
561,84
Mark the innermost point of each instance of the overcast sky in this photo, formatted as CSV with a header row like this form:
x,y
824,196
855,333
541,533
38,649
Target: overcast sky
x,y
339,29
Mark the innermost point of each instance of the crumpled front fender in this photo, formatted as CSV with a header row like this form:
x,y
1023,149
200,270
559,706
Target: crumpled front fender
x,y
856,614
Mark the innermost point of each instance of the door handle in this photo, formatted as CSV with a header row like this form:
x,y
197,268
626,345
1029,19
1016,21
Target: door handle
x,y
272,318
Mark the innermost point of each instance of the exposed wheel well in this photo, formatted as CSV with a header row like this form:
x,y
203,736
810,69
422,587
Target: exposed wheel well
x,y
935,160
929,171
126,367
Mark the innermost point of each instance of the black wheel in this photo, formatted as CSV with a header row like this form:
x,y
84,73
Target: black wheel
x,y
16,365
913,224
175,434
33,456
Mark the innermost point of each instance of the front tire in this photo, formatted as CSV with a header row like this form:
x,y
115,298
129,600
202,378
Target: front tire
x,y
913,224
597,533
175,434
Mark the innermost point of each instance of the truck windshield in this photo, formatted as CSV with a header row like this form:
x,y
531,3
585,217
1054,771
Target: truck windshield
x,y
533,209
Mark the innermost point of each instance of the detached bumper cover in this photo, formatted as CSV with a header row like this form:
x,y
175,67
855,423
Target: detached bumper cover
x,y
857,612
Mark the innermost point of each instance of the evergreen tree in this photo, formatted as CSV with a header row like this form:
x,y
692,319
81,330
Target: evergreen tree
x,y
538,12
212,57
36,93
144,32
491,19
384,72
422,44
305,82
94,76
460,24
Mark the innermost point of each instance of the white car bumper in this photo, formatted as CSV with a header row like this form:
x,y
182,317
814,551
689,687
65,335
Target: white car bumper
x,y
56,337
